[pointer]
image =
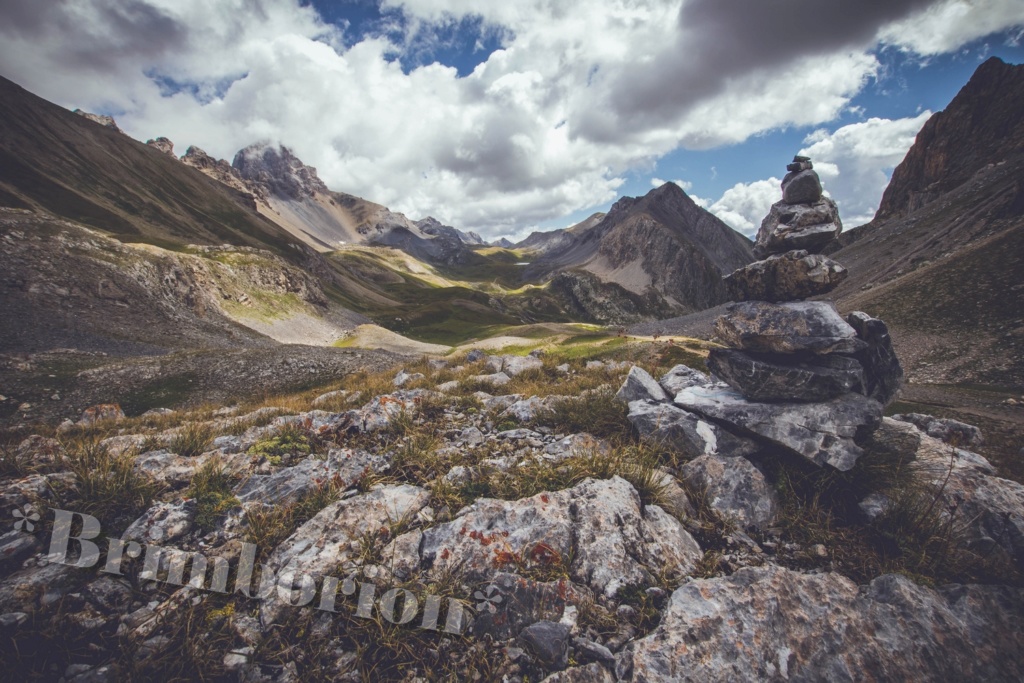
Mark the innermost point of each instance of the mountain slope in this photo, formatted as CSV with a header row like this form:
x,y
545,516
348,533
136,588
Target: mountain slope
x,y
661,251
65,164
982,125
943,260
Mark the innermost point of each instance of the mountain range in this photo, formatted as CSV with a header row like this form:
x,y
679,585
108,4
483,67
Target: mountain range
x,y
118,247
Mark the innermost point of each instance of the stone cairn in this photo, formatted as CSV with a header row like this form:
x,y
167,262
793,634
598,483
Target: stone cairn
x,y
798,375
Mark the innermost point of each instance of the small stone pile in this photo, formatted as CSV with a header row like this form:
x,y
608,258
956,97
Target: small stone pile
x,y
807,380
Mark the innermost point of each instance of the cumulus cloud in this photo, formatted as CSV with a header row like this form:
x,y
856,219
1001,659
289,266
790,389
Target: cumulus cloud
x,y
856,161
580,93
744,205
945,26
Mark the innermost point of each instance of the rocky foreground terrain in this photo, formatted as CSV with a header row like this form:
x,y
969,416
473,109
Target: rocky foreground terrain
x,y
581,539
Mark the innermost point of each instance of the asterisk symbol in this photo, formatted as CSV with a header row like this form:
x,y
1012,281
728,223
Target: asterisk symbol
x,y
489,599
25,518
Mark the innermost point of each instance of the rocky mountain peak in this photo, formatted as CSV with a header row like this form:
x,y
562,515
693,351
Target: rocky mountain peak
x,y
984,124
279,171
162,144
101,119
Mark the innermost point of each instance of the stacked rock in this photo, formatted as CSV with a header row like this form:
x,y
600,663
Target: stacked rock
x,y
805,379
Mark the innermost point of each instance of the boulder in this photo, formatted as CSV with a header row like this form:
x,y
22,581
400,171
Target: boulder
x,y
98,413
327,544
514,365
785,277
807,326
682,377
639,385
798,226
988,511
548,641
599,528
882,369
951,431
735,489
667,426
770,623
801,187
826,433
496,379
782,378
525,410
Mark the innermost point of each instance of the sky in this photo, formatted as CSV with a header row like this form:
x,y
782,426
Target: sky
x,y
509,116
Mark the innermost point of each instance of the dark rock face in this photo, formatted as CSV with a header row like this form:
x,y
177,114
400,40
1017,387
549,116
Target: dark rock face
x,y
769,623
679,248
803,187
984,124
665,425
785,277
883,372
787,378
811,326
279,171
825,433
798,226
162,144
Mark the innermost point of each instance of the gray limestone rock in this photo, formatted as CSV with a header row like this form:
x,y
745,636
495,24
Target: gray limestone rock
x,y
951,431
785,277
882,368
787,378
808,326
599,527
514,365
826,433
666,425
798,226
639,385
770,623
328,543
734,489
681,377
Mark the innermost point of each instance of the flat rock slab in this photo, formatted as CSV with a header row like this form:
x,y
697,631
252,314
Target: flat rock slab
x,y
787,378
825,433
883,372
770,623
798,226
811,326
667,426
785,277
